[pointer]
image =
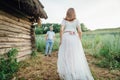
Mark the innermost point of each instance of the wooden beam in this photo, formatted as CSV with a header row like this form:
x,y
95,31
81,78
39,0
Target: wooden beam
x,y
14,35
11,29
20,49
23,57
6,19
14,44
14,26
9,39
24,53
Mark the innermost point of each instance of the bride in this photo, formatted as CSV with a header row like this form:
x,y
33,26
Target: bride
x,y
72,63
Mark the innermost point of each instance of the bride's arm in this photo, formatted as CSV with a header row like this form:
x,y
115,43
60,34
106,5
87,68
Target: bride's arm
x,y
79,32
61,33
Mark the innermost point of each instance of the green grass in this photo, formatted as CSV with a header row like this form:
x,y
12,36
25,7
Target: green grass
x,y
105,46
110,51
40,43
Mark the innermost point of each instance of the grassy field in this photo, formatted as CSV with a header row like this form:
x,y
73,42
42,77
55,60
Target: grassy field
x,y
102,44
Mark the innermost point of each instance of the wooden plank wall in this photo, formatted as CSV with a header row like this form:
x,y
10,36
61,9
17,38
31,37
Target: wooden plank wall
x,y
15,33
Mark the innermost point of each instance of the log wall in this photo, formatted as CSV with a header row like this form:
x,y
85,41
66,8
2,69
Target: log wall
x,y
15,33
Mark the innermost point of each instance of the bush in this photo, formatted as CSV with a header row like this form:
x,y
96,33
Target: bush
x,y
9,65
45,27
83,27
38,30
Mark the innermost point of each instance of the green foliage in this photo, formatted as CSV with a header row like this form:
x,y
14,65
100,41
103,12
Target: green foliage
x,y
38,30
83,27
105,47
56,44
9,66
56,28
45,27
96,45
87,42
12,53
110,51
40,43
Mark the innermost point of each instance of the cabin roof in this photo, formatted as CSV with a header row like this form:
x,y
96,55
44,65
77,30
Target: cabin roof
x,y
29,8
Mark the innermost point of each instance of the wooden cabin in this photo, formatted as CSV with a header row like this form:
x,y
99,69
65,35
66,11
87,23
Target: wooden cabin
x,y
16,31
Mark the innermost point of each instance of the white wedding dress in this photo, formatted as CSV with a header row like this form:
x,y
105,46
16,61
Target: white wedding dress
x,y
72,63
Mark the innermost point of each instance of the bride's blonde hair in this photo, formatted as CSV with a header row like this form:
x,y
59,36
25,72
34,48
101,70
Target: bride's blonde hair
x,y
70,15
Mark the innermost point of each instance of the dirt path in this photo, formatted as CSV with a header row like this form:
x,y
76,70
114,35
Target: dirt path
x,y
44,68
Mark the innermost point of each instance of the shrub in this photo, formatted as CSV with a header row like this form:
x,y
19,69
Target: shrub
x,y
38,30
45,27
9,65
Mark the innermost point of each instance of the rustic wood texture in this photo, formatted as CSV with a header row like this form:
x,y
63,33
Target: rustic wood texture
x,y
9,39
23,58
23,20
14,26
5,50
15,33
24,53
31,8
33,38
18,22
11,29
14,44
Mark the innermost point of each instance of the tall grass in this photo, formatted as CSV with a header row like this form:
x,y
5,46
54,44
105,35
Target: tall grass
x,y
105,47
40,43
110,51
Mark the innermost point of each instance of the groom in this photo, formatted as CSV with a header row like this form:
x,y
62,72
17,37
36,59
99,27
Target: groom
x,y
50,36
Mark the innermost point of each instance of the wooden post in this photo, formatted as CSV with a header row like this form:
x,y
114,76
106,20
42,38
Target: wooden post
x,y
33,34
33,38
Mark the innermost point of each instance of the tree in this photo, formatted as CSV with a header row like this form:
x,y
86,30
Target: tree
x,y
83,27
45,27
